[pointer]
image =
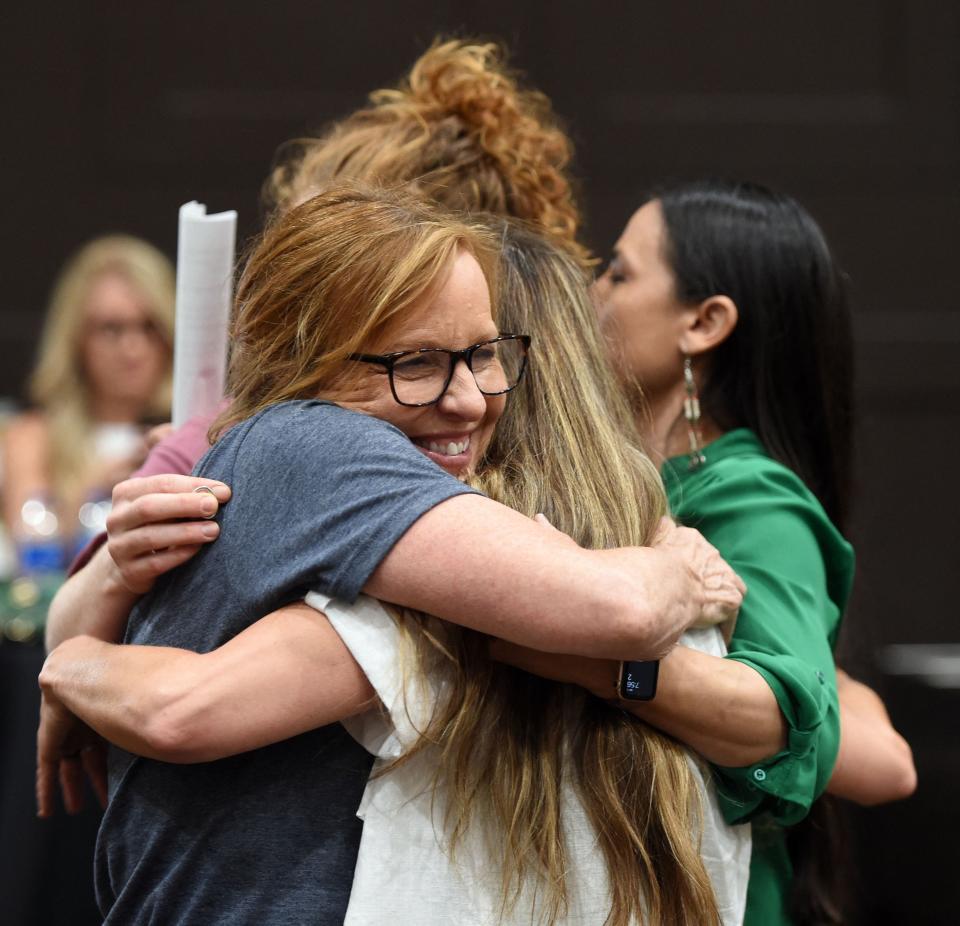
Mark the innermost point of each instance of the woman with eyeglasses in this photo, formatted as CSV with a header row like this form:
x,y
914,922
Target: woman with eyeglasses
x,y
103,370
329,500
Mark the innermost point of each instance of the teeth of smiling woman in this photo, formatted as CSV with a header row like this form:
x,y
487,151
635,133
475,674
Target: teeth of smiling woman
x,y
450,449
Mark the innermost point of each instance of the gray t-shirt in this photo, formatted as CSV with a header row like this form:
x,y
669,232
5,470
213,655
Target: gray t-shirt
x,y
320,496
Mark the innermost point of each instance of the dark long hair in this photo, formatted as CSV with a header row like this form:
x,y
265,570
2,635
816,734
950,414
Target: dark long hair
x,y
786,372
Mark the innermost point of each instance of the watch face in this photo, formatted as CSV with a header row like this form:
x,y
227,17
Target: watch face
x,y
638,680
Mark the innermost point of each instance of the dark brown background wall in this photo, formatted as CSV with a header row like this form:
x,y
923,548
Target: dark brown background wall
x,y
117,113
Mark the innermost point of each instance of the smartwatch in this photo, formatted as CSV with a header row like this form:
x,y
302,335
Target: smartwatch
x,y
638,680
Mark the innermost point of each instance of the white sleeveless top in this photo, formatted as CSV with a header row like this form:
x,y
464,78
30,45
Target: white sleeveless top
x,y
404,874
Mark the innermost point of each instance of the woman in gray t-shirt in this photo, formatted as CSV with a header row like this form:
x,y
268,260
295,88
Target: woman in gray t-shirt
x,y
369,486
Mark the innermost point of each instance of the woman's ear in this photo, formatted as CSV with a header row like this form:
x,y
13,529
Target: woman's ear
x,y
708,325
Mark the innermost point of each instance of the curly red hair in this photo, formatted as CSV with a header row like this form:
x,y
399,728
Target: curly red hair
x,y
461,130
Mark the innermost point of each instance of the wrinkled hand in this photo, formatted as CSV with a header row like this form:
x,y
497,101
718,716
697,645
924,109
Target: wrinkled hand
x,y
721,589
159,522
67,751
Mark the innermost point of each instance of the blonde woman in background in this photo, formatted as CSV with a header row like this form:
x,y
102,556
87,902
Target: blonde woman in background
x,y
103,370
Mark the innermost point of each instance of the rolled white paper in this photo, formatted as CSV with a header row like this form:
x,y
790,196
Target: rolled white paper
x,y
205,254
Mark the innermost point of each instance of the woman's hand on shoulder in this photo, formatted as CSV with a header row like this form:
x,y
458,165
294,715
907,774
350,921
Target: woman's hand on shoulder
x,y
158,523
721,589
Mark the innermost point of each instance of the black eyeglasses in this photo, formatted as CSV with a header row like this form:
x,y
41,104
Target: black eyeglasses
x,y
421,377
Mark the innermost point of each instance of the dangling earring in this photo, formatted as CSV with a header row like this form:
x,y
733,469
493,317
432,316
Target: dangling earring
x,y
691,411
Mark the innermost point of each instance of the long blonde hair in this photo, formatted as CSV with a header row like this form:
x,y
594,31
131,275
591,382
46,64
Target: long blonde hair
x,y
506,740
58,384
329,278
461,128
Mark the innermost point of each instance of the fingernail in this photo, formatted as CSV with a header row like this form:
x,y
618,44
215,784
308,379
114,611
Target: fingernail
x,y
210,531
210,500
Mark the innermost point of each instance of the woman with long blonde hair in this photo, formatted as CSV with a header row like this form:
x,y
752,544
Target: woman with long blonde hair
x,y
104,368
499,796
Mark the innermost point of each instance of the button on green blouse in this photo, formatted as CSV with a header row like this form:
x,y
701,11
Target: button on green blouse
x,y
798,570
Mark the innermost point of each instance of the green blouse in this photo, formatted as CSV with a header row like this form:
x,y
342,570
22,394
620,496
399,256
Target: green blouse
x,y
798,570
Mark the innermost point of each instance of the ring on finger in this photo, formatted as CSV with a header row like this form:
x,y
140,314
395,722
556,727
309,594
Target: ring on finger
x,y
213,513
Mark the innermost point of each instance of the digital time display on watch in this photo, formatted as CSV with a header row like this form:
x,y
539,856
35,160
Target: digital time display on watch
x,y
638,680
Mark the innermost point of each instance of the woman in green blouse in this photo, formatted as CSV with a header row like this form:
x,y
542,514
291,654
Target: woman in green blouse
x,y
723,302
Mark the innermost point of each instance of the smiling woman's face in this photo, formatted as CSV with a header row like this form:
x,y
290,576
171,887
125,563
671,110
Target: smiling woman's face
x,y
455,315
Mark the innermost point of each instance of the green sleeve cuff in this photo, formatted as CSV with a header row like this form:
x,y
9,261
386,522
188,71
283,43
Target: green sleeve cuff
x,y
786,784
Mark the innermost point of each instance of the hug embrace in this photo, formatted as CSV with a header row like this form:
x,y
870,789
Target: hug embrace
x,y
376,680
